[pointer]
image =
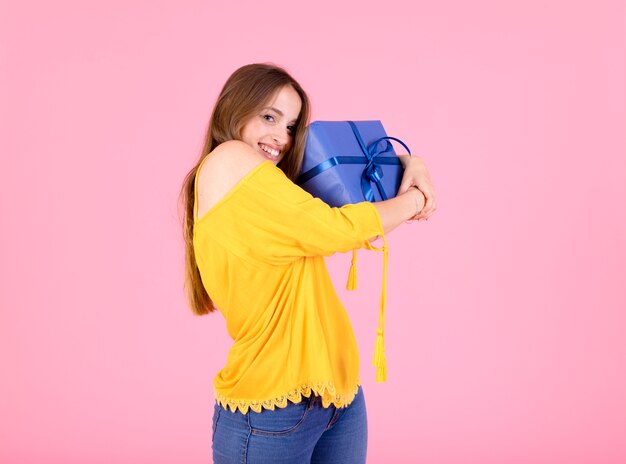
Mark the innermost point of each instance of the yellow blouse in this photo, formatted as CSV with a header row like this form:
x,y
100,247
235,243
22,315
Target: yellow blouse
x,y
260,253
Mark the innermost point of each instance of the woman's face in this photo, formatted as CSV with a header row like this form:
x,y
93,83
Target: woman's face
x,y
270,130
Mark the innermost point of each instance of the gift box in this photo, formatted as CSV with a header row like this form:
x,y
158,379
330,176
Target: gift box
x,y
349,162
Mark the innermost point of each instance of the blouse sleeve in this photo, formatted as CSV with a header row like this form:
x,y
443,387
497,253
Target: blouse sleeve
x,y
277,221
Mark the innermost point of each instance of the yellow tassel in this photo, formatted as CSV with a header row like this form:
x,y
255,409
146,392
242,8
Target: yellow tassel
x,y
379,357
379,361
351,285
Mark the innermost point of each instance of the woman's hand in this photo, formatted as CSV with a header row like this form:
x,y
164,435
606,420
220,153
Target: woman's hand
x,y
416,174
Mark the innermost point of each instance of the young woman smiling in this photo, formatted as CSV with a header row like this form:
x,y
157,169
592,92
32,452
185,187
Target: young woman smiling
x,y
255,244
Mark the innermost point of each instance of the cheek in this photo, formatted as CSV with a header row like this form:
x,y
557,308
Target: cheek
x,y
251,131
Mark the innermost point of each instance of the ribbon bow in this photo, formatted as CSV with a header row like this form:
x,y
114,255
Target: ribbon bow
x,y
373,171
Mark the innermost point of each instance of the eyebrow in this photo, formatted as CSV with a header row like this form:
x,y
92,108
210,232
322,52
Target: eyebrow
x,y
280,113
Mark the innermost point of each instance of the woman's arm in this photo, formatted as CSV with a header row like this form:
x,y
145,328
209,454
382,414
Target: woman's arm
x,y
395,211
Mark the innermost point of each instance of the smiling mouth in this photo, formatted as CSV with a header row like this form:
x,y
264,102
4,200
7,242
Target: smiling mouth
x,y
270,151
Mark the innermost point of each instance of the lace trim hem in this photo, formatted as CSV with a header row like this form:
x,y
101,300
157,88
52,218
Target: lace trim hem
x,y
324,389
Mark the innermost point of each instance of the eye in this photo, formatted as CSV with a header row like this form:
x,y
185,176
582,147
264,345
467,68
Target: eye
x,y
265,116
292,129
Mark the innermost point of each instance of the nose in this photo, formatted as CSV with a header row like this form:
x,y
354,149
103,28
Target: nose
x,y
281,136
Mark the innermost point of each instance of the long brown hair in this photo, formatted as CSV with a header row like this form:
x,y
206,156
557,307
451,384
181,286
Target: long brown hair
x,y
245,92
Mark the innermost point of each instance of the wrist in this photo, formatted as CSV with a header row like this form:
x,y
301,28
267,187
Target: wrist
x,y
416,194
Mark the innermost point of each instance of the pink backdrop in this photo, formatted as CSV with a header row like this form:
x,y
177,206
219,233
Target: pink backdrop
x,y
506,311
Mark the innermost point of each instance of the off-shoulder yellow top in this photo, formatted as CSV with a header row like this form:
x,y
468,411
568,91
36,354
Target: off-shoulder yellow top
x,y
260,252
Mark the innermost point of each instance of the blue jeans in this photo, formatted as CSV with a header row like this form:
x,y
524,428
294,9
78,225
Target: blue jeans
x,y
305,432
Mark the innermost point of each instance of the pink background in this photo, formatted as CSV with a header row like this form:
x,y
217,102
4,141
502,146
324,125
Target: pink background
x,y
506,311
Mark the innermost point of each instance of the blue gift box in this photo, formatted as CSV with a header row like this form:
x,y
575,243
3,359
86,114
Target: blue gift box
x,y
349,162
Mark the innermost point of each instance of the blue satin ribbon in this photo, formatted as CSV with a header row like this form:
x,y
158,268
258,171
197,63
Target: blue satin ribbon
x,y
372,171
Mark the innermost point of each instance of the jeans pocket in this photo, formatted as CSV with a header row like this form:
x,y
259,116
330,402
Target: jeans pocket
x,y
280,421
216,416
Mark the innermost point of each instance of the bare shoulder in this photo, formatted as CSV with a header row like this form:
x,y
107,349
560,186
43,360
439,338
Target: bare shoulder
x,y
237,152
230,161
224,167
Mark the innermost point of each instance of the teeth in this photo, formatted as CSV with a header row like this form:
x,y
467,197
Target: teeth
x,y
269,150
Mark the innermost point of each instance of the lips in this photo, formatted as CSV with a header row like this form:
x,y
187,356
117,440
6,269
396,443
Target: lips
x,y
269,150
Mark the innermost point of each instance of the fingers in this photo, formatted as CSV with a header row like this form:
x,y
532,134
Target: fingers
x,y
404,185
402,189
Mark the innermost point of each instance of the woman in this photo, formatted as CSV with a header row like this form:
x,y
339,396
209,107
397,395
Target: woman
x,y
290,391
